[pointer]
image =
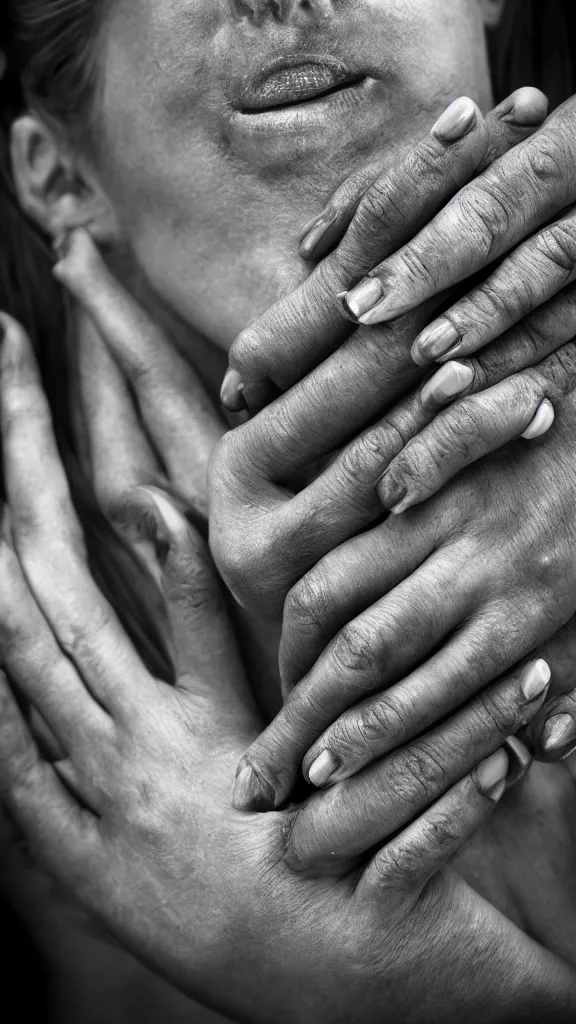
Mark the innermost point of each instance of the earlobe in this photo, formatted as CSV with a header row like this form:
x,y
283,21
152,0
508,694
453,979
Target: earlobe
x,y
492,11
54,187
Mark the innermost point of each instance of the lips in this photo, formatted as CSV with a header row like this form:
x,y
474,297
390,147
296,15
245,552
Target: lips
x,y
299,81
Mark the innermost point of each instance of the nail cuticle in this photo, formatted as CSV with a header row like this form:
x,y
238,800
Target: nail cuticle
x,y
367,296
535,680
345,308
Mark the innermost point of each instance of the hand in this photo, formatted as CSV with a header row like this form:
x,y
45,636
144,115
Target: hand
x,y
263,536
135,818
522,205
392,656
167,437
300,331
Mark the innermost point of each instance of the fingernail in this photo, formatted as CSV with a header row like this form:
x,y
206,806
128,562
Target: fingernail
x,y
542,421
343,303
535,678
447,382
530,107
390,491
559,735
322,768
490,775
364,297
231,391
434,341
458,119
252,792
317,238
521,759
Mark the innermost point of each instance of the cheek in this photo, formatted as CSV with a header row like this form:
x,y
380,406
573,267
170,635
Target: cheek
x,y
217,250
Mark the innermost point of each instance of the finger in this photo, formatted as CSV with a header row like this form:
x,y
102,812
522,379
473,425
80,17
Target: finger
x,y
411,859
301,330
323,232
451,676
352,817
174,406
340,586
482,223
540,335
513,120
553,732
48,539
371,729
466,431
532,274
352,476
370,653
206,654
121,457
37,667
63,834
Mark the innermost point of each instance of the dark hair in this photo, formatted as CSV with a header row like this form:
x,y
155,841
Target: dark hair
x,y
535,44
50,48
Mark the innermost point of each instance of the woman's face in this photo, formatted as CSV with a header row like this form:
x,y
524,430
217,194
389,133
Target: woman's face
x,y
214,152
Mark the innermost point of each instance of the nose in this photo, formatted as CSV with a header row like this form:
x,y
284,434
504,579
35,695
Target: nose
x,y
257,11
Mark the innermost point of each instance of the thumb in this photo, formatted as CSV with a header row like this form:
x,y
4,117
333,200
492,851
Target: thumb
x,y
205,651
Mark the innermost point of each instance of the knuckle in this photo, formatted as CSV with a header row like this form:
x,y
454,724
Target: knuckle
x,y
543,158
140,811
428,159
422,774
487,213
354,651
499,711
558,245
505,302
363,461
379,205
398,864
307,603
381,718
560,368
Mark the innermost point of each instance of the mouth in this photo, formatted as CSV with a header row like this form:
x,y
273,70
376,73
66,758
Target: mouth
x,y
296,84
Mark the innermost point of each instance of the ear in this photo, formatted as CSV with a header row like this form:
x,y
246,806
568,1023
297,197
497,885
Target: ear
x,y
55,185
491,11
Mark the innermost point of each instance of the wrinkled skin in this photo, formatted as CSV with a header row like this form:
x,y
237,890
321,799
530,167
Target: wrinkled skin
x,y
128,839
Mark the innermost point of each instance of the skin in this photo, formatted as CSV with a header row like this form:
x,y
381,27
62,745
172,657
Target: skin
x,y
372,925
139,224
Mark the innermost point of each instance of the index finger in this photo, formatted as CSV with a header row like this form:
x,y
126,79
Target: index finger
x,y
516,195
174,406
302,329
